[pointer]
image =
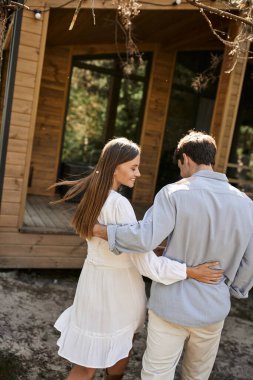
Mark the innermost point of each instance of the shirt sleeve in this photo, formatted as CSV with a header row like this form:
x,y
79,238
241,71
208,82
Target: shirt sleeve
x,y
243,280
159,269
147,234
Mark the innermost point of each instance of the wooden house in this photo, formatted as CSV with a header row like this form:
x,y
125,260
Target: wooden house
x,y
177,44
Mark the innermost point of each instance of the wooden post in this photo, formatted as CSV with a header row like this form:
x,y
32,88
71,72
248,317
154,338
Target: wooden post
x,y
227,103
154,124
25,98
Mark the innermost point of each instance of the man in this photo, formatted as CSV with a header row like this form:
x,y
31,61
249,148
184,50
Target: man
x,y
204,219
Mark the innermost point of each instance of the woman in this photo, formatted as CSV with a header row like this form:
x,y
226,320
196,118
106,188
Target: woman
x,y
109,306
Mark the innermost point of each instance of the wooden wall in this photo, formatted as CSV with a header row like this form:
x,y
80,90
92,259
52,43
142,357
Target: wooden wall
x,y
50,119
23,250
30,58
154,124
227,103
19,250
51,114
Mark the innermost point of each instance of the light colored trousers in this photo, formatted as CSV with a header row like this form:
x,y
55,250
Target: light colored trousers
x,y
165,344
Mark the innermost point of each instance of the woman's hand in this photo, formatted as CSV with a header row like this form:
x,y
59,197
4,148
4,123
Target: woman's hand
x,y
206,272
159,250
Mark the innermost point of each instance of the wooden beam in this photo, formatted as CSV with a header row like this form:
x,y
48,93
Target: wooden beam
x,y
17,239
41,262
154,123
32,251
108,48
109,4
227,102
7,40
37,75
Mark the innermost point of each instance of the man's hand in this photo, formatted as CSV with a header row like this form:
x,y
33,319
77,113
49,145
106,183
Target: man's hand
x,y
99,230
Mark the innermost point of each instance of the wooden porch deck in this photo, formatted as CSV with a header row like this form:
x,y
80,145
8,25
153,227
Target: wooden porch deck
x,y
42,217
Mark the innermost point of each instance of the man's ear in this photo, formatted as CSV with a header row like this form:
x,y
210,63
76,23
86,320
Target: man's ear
x,y
186,159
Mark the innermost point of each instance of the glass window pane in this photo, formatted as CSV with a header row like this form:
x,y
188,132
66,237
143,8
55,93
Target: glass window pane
x,y
128,110
188,109
83,138
102,104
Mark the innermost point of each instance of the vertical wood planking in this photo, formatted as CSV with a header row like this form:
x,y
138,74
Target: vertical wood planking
x,y
227,103
154,124
50,119
27,82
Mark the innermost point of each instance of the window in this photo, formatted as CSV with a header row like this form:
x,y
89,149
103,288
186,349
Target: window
x,y
188,109
102,104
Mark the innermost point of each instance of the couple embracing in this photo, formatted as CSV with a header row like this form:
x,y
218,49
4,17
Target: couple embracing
x,y
207,222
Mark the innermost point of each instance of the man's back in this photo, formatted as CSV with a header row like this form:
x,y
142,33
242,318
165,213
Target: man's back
x,y
213,221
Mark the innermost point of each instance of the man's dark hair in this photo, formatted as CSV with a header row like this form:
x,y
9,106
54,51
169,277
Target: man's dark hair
x,y
199,146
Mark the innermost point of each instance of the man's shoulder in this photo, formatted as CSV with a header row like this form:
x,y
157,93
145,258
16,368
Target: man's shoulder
x,y
196,183
180,185
234,191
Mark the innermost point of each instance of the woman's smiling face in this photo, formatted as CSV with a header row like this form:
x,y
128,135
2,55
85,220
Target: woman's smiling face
x,y
126,173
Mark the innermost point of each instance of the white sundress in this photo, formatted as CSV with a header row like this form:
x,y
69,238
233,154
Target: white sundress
x,y
110,302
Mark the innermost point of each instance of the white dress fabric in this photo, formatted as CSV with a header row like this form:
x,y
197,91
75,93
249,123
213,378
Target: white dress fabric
x,y
110,302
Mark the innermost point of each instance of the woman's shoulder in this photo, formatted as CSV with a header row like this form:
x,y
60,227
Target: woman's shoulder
x,y
117,198
114,198
114,206
114,194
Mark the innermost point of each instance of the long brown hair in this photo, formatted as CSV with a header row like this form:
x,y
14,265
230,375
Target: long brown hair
x,y
97,185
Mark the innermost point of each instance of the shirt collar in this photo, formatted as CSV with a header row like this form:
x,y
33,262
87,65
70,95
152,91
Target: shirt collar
x,y
212,175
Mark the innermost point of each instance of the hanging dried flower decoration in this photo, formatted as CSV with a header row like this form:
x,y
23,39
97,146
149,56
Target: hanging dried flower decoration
x,y
126,11
210,75
241,11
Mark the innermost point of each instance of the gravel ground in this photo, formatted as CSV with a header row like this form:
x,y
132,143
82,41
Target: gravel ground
x,y
31,300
